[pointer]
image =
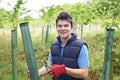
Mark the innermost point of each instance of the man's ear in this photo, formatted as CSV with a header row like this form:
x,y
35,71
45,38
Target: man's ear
x,y
73,27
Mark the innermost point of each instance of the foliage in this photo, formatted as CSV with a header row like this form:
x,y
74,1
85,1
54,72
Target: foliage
x,y
116,45
18,11
109,15
81,13
95,11
49,14
96,45
4,17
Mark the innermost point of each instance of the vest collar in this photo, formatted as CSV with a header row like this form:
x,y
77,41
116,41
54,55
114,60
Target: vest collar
x,y
71,39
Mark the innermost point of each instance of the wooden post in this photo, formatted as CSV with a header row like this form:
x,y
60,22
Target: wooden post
x,y
112,65
42,36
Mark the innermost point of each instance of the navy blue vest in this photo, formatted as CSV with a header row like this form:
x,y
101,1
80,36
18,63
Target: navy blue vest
x,y
69,57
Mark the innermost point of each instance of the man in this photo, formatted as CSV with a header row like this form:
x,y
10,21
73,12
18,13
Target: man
x,y
69,55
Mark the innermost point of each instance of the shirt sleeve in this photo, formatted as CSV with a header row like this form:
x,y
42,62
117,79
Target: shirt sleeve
x,y
50,57
83,59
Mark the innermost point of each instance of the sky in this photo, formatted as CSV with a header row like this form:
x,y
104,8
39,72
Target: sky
x,y
35,5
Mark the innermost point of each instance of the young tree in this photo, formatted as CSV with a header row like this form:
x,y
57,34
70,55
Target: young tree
x,y
4,17
108,11
49,13
18,11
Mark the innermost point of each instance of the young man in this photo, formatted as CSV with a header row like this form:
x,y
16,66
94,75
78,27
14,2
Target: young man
x,y
69,55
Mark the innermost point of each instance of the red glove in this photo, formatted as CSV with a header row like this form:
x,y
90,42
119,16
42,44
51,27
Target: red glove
x,y
57,70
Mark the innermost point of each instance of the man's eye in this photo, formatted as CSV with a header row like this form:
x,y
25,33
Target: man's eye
x,y
59,25
66,25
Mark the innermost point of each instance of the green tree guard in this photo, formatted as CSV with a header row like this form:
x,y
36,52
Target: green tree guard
x,y
29,52
81,31
108,54
47,32
14,46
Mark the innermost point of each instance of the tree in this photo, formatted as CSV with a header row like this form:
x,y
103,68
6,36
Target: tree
x,y
108,11
50,13
4,17
18,11
80,13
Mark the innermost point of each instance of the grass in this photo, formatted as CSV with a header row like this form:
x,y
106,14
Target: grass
x,y
95,41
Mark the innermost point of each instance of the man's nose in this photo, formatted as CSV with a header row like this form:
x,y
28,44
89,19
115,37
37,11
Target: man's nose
x,y
63,28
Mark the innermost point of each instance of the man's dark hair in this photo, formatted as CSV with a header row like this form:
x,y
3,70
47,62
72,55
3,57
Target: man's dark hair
x,y
64,16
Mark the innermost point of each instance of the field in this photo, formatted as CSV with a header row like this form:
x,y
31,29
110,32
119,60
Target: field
x,y
94,37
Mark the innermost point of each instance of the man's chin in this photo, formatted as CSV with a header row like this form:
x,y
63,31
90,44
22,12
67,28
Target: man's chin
x,y
64,37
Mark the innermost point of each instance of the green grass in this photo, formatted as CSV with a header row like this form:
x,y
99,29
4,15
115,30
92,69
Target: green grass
x,y
96,43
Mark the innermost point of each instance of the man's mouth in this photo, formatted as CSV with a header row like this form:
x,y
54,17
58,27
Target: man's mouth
x,y
63,32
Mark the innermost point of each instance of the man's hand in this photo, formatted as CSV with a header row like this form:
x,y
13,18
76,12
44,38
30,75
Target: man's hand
x,y
28,73
57,70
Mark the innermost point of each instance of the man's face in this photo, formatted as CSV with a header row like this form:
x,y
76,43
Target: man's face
x,y
64,29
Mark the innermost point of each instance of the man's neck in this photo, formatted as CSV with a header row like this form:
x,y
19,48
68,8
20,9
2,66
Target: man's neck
x,y
64,40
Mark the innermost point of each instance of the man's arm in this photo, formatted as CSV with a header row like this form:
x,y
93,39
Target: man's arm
x,y
42,71
77,73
